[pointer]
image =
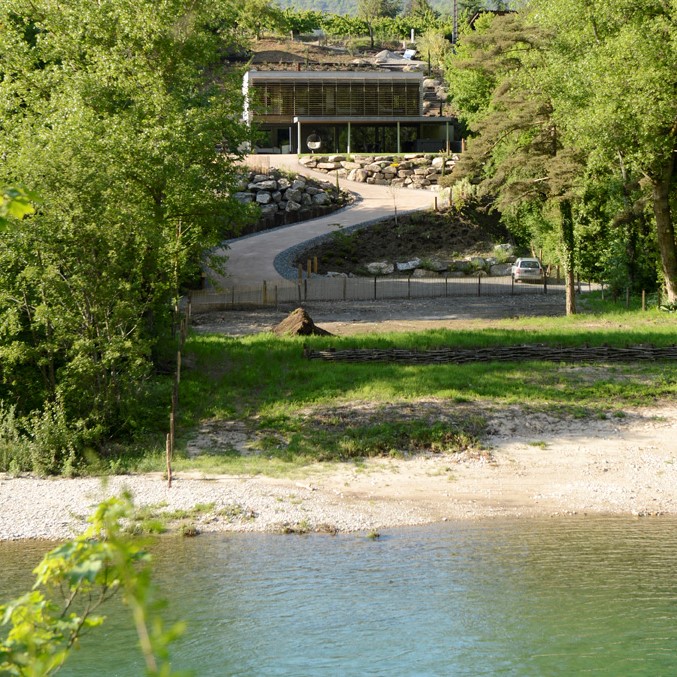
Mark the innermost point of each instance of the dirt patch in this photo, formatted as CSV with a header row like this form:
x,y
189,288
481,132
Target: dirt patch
x,y
347,318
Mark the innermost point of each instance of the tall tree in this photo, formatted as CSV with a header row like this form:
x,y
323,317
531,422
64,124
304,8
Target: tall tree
x,y
112,112
518,154
372,10
255,16
419,9
617,62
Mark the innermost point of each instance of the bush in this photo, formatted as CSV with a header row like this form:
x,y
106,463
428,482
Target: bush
x,y
42,443
14,448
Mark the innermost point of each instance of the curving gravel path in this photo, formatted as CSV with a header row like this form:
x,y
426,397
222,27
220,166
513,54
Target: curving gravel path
x,y
251,259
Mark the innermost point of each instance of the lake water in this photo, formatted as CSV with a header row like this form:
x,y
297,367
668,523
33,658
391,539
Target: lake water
x,y
559,596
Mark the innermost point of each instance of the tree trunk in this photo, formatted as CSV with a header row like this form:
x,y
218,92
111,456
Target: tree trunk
x,y
569,257
665,230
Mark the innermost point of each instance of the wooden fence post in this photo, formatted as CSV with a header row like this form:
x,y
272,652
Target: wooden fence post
x,y
643,299
345,288
265,293
168,459
479,285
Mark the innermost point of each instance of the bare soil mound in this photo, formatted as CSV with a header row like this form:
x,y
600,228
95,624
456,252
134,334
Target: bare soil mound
x,y
299,323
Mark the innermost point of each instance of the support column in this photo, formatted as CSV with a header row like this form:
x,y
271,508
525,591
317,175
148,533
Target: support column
x,y
348,149
446,124
399,145
298,141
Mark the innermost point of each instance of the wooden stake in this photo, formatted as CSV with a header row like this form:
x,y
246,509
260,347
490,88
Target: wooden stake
x,y
168,450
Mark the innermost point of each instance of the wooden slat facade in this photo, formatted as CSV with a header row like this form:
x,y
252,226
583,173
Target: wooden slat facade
x,y
383,98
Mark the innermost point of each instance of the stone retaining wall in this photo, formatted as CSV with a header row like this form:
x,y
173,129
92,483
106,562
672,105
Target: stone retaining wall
x,y
435,267
282,199
409,171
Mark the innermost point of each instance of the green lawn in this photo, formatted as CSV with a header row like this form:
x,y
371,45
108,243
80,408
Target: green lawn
x,y
298,411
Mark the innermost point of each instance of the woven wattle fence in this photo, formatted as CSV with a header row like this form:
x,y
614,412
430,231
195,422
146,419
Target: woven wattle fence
x,y
499,354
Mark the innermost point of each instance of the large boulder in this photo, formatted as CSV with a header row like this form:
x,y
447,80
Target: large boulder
x,y
293,194
244,197
501,269
321,199
270,184
408,265
299,323
380,268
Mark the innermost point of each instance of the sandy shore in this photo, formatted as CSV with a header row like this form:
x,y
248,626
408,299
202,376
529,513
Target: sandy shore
x,y
532,465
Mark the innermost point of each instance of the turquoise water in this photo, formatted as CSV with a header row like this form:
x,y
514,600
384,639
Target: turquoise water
x,y
503,597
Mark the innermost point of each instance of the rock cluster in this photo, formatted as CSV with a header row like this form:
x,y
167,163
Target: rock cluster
x,y
275,193
411,171
433,267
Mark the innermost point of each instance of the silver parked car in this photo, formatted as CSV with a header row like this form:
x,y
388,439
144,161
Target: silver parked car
x,y
527,270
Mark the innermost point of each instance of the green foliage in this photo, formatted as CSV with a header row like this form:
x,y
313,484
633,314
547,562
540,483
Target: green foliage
x,y
302,22
464,194
433,45
420,9
370,11
113,116
623,118
15,203
73,582
255,16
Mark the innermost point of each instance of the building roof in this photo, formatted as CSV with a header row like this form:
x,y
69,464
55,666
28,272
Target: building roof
x,y
333,75
370,119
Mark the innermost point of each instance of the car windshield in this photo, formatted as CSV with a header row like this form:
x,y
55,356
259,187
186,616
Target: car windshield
x,y
529,264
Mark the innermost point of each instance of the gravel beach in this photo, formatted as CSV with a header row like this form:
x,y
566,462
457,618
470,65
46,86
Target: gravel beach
x,y
533,465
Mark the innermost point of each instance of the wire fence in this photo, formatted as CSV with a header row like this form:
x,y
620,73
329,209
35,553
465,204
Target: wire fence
x,y
273,293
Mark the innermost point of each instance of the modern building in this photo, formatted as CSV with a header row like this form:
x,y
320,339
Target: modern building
x,y
344,111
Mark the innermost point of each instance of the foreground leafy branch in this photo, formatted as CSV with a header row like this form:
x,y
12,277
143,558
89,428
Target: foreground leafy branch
x,y
73,581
